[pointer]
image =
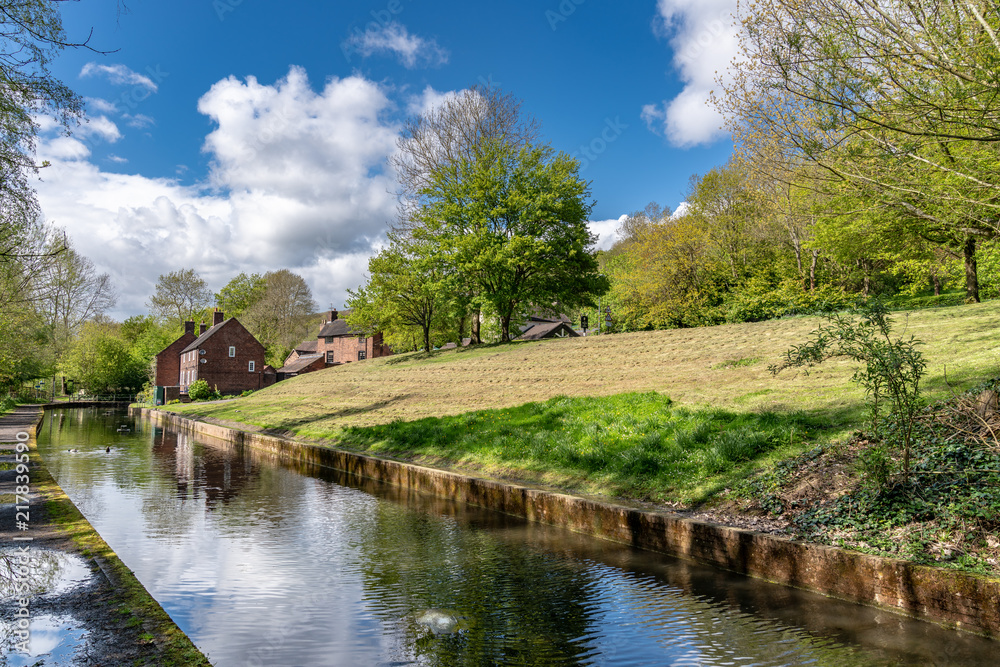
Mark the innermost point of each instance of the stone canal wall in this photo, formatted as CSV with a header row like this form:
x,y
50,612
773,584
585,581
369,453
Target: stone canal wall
x,y
955,599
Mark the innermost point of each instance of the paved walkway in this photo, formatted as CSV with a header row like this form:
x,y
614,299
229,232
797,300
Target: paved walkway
x,y
17,421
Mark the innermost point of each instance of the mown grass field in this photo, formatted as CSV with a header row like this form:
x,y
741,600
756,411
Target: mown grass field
x,y
408,405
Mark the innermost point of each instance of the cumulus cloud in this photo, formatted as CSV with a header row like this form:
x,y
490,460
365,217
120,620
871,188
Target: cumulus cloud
x,y
297,181
119,75
704,40
396,39
100,127
428,100
606,231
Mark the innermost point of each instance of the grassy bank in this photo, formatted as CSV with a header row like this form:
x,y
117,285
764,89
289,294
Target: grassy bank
x,y
637,445
656,415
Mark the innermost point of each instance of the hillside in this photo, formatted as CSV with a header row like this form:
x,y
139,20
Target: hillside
x,y
723,366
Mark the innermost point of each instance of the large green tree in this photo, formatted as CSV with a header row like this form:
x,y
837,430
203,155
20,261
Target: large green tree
x,y
893,98
101,361
282,316
241,293
407,296
513,223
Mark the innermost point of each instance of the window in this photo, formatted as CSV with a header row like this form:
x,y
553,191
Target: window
x,y
362,355
329,357
232,350
251,364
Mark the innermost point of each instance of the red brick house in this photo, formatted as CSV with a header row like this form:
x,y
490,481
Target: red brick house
x,y
336,343
226,356
168,362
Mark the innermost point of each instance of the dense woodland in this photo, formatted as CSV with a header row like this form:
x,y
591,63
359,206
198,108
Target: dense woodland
x,y
865,165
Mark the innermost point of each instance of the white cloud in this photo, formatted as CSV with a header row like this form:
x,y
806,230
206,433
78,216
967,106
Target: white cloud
x,y
99,127
138,120
606,231
119,75
395,38
428,100
297,181
704,40
98,104
117,159
681,210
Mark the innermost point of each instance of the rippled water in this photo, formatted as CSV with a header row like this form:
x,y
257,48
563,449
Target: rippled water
x,y
262,562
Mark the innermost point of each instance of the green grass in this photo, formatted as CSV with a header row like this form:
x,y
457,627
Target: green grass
x,y
638,445
387,405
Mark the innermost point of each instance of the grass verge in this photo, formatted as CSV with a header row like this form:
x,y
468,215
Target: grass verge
x,y
637,445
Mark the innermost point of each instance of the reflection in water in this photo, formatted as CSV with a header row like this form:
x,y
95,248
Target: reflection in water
x,y
43,571
55,641
265,562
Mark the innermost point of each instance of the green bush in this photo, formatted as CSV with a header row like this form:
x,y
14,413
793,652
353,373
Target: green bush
x,y
761,299
199,391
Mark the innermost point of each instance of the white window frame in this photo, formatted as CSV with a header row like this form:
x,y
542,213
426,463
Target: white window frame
x,y
253,366
232,351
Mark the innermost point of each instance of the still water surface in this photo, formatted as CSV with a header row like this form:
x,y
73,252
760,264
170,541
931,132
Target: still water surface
x,y
265,562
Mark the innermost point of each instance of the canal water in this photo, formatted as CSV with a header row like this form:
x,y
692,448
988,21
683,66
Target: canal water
x,y
266,562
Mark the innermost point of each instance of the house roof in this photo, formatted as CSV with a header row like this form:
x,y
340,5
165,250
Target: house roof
x,y
198,342
549,330
184,338
338,327
300,363
307,346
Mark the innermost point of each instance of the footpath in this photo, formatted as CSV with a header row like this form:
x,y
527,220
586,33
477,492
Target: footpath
x,y
65,597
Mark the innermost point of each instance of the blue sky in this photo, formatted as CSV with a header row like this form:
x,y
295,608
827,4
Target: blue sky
x,y
238,135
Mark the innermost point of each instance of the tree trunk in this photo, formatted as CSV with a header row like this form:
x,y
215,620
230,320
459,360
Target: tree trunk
x,y
476,327
812,271
427,338
937,284
971,270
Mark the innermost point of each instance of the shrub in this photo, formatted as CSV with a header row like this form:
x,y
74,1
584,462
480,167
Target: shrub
x,y
891,370
199,391
760,299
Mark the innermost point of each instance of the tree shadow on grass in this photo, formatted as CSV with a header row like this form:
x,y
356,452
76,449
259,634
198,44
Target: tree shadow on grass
x,y
295,423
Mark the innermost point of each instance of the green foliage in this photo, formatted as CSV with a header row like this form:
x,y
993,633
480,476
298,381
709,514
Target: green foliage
x,y
512,224
637,444
200,391
891,371
102,361
241,293
180,296
760,299
409,294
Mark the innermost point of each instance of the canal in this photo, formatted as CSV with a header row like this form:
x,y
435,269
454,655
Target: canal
x,y
266,562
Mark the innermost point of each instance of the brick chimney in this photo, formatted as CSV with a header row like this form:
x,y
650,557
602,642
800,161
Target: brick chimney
x,y
189,327
333,315
218,317
203,328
